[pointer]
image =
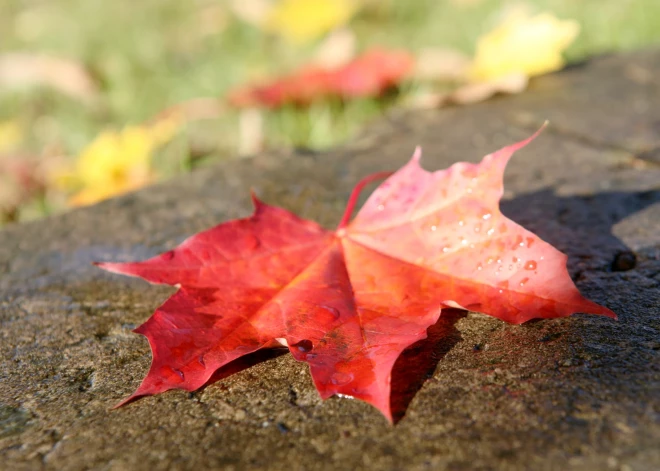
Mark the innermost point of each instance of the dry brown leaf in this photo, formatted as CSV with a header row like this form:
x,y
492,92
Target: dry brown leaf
x,y
480,91
470,93
19,70
442,64
336,50
21,178
254,12
193,110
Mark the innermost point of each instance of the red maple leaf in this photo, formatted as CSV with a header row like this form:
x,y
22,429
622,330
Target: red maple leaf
x,y
349,302
368,75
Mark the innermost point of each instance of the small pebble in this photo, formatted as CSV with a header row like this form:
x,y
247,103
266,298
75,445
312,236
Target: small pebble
x,y
624,261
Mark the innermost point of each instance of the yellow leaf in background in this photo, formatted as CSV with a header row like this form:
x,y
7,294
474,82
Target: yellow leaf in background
x,y
11,136
526,44
117,162
305,20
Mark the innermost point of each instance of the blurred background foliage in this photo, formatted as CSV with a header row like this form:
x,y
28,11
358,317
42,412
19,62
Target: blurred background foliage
x,y
101,97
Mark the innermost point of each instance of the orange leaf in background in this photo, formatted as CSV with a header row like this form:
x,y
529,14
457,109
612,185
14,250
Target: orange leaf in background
x,y
348,302
368,75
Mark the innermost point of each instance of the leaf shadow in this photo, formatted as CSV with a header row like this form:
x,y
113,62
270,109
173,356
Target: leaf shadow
x,y
243,363
581,226
418,362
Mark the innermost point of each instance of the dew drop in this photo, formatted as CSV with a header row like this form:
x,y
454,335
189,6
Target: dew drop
x,y
381,207
168,255
486,216
523,281
180,374
542,258
303,346
499,260
530,265
490,260
461,223
445,249
252,243
480,267
501,291
477,228
340,378
464,241
334,311
490,232
434,228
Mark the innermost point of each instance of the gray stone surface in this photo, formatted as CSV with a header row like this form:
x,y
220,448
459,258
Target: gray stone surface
x,y
576,393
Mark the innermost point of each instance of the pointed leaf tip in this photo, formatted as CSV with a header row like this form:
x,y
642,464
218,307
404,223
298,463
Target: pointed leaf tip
x,y
256,202
417,155
519,145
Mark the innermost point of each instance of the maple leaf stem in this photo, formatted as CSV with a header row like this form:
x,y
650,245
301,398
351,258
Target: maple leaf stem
x,y
352,201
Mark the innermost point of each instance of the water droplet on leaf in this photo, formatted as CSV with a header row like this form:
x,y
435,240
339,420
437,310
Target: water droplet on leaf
x,y
303,346
252,243
340,378
334,311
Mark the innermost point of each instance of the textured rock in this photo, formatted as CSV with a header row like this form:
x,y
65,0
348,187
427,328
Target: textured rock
x,y
575,393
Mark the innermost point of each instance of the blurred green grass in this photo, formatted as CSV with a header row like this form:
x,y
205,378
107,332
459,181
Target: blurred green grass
x,y
152,54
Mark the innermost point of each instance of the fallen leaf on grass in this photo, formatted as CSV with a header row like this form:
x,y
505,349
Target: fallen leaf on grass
x,y
471,92
437,64
368,75
523,44
336,50
348,302
254,12
302,21
20,70
22,178
116,162
11,136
